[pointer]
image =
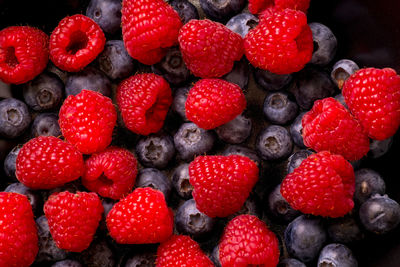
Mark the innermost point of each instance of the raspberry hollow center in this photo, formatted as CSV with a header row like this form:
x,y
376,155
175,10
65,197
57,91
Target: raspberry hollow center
x,y
11,59
78,41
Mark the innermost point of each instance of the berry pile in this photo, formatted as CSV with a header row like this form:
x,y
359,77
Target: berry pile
x,y
191,133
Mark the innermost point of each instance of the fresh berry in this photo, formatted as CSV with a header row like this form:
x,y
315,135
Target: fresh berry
x,y
252,206
243,151
10,163
274,143
291,262
47,162
367,183
213,102
180,181
24,53
221,11
239,74
222,183
106,13
325,44
242,23
247,231
155,151
14,117
203,51
98,254
296,130
110,173
140,218
153,178
75,42
88,79
18,239
281,43
270,81
340,98
280,107
144,100
378,148
344,230
342,70
148,28
186,10
145,259
257,6
32,195
279,208
336,255
46,124
235,131
67,263
178,103
87,121
323,185
373,97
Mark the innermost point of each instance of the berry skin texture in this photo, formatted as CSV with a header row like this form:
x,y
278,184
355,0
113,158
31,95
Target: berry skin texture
x,y
46,162
209,48
144,100
24,53
373,97
222,183
148,28
322,185
281,43
73,219
110,173
330,126
75,42
87,121
181,250
213,102
247,241
143,217
18,239
257,6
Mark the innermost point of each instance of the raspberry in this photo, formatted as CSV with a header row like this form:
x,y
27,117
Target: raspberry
x,y
144,100
373,97
73,219
330,126
247,241
18,238
257,6
110,173
87,121
323,185
75,42
208,48
221,184
213,102
142,217
148,28
24,53
47,162
281,43
181,250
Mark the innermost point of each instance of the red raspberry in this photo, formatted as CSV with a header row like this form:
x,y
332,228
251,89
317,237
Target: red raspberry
x,y
73,219
144,100
221,184
247,241
75,42
323,185
110,173
213,102
257,6
142,217
373,97
281,43
18,238
330,126
24,53
47,162
181,250
208,48
148,28
87,121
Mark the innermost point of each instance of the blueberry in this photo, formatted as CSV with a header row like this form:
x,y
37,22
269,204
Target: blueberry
x,y
115,61
336,255
304,237
108,204
99,254
342,70
144,259
214,257
185,9
89,79
222,10
5,90
380,214
33,196
72,187
244,151
378,148
368,183
271,81
155,150
10,163
251,206
279,207
280,107
236,131
44,92
242,23
106,13
296,159
340,98
296,131
46,124
180,181
67,263
239,74
178,104
344,230
62,75
291,262
172,67
274,143
14,117
325,44
150,177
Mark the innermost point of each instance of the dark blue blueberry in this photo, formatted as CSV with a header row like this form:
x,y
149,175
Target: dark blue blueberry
x,y
291,262
344,230
115,61
296,159
62,75
380,214
44,92
180,181
178,104
150,177
239,74
99,254
271,81
378,148
274,143
45,124
89,79
342,70
222,10
172,67
242,23
10,163
214,257
14,117
244,151
5,90
368,183
108,204
280,107
340,98
236,131
106,13
143,259
185,9
304,237
325,44
67,263
33,196
279,207
251,206
156,150
336,255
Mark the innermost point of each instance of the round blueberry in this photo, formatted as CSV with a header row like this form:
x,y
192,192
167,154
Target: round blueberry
x,y
150,177
62,75
89,79
340,98
251,207
342,70
242,23
180,181
279,207
274,143
271,81
185,9
222,10
336,255
296,130
368,183
14,117
33,196
46,124
155,150
325,44
280,108
344,230
296,159
243,151
291,262
143,259
239,74
378,148
10,163
67,263
178,103
99,254
106,13
236,131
